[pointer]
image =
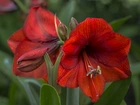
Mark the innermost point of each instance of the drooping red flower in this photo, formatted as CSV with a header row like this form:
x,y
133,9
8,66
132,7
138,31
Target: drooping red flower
x,y
93,55
32,41
6,6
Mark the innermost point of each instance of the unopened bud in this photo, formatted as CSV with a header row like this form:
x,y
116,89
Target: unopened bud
x,y
73,23
29,65
62,31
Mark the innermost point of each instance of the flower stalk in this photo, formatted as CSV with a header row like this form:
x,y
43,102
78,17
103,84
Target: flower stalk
x,y
21,6
72,96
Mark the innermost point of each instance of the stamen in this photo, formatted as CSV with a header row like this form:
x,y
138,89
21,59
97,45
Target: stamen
x,y
89,68
93,71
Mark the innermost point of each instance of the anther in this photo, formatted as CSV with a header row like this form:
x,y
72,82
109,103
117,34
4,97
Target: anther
x,y
99,70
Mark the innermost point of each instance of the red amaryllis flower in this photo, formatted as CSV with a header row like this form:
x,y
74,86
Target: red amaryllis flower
x,y
31,42
93,55
6,6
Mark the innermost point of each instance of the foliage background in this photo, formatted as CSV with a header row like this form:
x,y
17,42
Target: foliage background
x,y
14,90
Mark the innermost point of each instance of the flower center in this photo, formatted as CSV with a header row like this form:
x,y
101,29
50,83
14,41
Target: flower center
x,y
89,68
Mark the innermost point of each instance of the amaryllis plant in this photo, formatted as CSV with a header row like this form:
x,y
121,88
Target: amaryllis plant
x,y
86,56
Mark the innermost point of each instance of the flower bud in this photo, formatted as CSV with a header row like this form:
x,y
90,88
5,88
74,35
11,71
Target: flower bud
x,y
73,23
62,31
29,65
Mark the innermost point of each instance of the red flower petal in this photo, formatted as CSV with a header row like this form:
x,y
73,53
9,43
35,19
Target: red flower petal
x,y
113,73
99,41
92,27
34,53
71,49
116,73
111,49
68,78
40,72
15,39
92,87
23,48
40,25
69,62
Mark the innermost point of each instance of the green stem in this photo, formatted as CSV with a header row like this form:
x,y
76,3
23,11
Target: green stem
x,y
72,96
21,6
63,95
54,72
49,68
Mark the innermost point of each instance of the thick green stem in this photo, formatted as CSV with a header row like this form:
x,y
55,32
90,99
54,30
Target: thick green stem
x,y
21,6
72,96
49,68
52,70
55,72
63,95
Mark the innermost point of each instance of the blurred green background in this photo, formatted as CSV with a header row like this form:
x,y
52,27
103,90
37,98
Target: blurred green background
x,y
13,91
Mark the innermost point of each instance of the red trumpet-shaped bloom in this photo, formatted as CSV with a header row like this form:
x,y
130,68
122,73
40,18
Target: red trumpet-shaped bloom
x,y
30,43
93,55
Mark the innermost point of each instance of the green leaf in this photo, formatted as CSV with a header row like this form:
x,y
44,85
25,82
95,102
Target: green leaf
x,y
129,30
135,68
9,23
67,12
123,103
3,100
6,67
49,96
12,94
136,87
32,88
117,23
115,93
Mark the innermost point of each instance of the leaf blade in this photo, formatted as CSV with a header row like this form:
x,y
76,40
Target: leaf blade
x,y
115,93
49,96
117,23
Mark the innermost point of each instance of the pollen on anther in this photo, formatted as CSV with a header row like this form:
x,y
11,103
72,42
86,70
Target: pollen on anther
x,y
99,70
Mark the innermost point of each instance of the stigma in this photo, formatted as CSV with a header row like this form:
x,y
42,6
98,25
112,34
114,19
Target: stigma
x,y
93,71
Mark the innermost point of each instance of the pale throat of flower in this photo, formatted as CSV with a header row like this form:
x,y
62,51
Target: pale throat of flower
x,y
91,71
